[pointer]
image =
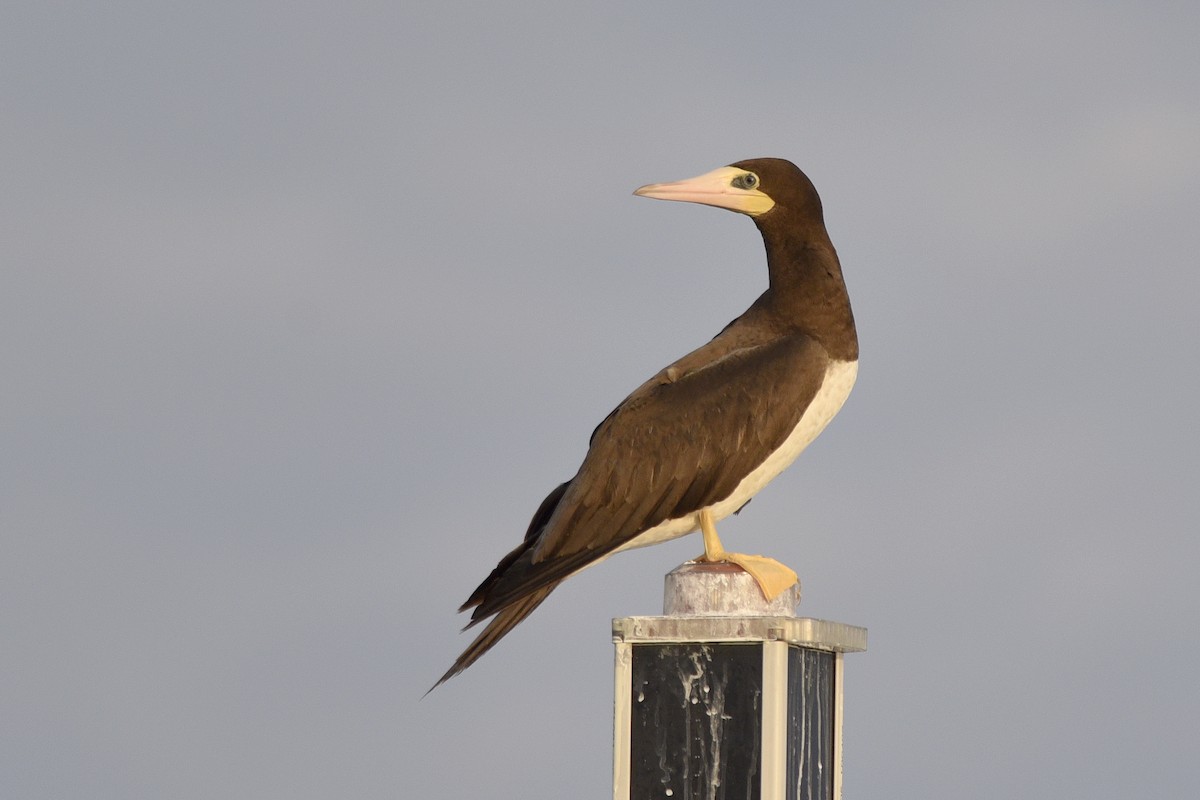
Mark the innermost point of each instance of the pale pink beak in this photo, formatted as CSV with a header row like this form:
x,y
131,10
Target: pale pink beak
x,y
712,189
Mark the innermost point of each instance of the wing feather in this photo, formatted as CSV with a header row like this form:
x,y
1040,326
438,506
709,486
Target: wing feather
x,y
671,449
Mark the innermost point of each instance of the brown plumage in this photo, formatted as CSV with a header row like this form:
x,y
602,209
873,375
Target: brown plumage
x,y
686,439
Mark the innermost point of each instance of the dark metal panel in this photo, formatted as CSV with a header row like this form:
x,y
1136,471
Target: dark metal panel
x,y
696,730
810,764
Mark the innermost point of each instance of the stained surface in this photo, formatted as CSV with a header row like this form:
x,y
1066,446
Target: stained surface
x,y
696,721
810,724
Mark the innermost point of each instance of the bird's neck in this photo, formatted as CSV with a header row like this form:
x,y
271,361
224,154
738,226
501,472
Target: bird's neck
x,y
806,288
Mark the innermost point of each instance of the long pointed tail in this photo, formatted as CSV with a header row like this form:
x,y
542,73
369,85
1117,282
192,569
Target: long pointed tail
x,y
501,624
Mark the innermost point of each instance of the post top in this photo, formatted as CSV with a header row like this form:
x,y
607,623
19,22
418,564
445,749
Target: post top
x,y
701,589
817,634
721,602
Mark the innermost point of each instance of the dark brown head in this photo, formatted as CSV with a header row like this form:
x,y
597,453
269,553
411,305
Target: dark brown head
x,y
792,191
767,189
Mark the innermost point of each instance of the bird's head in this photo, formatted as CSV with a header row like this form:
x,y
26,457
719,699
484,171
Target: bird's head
x,y
758,187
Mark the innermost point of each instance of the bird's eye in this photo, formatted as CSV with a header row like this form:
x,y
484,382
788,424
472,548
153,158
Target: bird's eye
x,y
747,180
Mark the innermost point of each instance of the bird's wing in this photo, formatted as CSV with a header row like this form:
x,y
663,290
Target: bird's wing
x,y
672,448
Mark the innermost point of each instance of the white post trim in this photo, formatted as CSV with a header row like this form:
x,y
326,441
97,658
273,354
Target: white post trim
x,y
774,720
622,718
839,671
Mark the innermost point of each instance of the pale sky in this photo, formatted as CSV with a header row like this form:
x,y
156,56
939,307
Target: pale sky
x,y
305,307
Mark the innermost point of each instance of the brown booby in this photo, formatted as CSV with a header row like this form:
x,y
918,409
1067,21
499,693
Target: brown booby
x,y
694,443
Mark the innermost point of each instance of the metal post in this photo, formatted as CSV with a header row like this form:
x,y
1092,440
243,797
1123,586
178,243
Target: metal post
x,y
727,695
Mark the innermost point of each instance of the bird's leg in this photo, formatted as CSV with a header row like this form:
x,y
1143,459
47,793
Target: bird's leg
x,y
773,577
713,551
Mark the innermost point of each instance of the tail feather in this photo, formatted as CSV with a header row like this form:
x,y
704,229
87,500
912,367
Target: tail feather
x,y
502,623
512,591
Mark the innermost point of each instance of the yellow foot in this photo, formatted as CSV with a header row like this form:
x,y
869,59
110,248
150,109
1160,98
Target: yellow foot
x,y
773,578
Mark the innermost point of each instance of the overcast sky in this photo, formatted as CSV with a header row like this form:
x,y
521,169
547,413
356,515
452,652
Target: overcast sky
x,y
305,307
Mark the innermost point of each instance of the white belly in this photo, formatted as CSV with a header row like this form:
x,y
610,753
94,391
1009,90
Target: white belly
x,y
839,380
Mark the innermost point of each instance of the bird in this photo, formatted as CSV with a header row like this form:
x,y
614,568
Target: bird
x,y
696,441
